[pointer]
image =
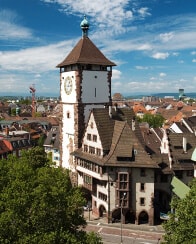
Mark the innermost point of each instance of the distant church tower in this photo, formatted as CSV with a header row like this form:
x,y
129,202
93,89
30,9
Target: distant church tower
x,y
85,83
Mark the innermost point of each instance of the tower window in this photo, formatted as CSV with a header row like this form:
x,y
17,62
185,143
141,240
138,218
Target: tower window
x,y
89,67
142,172
68,115
95,92
142,187
142,201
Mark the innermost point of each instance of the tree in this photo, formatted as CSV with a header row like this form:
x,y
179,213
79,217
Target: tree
x,y
154,120
38,203
180,227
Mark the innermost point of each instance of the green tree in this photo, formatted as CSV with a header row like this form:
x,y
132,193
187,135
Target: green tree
x,y
38,203
154,120
180,228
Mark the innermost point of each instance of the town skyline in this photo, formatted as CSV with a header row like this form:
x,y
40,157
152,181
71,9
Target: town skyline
x,y
152,43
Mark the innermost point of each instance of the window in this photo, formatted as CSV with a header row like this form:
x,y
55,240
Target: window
x,y
87,179
142,201
98,151
102,196
123,185
95,138
142,186
68,115
89,137
123,177
142,172
85,148
189,173
92,150
123,181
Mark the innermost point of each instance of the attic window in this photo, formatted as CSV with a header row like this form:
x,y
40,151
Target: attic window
x,y
95,138
98,151
89,137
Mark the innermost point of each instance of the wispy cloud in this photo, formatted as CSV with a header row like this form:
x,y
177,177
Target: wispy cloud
x,y
142,67
36,59
9,27
165,37
144,12
160,55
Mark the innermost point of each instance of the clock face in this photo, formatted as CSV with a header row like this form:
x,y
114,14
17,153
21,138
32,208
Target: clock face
x,y
68,85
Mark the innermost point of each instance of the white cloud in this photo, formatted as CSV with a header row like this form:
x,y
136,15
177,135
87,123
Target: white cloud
x,y
166,36
181,61
105,14
162,74
193,53
116,74
152,78
175,54
36,59
160,55
142,67
194,60
143,12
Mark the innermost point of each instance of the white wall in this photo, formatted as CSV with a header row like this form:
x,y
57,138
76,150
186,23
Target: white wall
x,y
90,83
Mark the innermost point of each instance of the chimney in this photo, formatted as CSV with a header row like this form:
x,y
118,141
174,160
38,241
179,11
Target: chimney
x,y
133,124
7,131
110,111
115,106
184,144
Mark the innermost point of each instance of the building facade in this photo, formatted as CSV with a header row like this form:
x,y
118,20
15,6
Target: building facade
x,y
104,147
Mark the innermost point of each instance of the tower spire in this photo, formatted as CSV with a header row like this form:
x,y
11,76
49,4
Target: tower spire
x,y
84,26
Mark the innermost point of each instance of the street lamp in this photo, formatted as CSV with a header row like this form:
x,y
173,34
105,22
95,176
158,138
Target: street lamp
x,y
121,214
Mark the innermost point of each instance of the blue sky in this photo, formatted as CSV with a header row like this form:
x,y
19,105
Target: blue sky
x,y
153,43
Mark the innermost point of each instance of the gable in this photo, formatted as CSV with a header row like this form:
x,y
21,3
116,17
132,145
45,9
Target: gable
x,y
91,135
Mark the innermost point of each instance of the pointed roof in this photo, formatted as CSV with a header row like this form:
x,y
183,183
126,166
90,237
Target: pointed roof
x,y
85,52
